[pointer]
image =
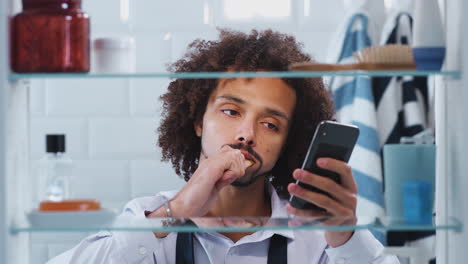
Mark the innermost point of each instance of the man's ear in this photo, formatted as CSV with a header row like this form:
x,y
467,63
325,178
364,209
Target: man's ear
x,y
198,125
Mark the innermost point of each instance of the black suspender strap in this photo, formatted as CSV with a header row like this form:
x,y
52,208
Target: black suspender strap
x,y
184,249
277,252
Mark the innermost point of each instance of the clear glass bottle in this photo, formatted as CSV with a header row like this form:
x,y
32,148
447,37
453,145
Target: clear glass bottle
x,y
55,170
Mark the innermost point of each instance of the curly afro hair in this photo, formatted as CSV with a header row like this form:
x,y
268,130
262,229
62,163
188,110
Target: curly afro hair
x,y
186,99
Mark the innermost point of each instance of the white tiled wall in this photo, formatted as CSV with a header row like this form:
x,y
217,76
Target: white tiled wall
x,y
111,124
87,98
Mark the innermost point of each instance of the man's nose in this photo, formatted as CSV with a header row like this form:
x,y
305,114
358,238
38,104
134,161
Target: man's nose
x,y
246,133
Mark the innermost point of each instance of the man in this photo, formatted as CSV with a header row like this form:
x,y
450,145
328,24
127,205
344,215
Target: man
x,y
238,143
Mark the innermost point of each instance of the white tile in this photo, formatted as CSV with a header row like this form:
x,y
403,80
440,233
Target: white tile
x,y
150,177
144,96
123,138
39,253
181,40
87,97
75,130
171,15
278,15
315,43
320,15
37,98
104,180
108,12
153,51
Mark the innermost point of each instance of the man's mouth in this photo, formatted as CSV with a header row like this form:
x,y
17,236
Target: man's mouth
x,y
249,161
250,156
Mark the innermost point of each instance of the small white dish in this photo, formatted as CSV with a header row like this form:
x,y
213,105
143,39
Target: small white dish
x,y
71,219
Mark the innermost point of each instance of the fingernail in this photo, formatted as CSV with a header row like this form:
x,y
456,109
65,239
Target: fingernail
x,y
322,162
294,188
298,175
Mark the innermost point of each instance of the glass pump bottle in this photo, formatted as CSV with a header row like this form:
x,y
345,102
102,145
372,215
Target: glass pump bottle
x,y
55,170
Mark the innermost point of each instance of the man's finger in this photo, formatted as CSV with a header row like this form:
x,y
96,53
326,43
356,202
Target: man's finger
x,y
321,200
342,168
325,184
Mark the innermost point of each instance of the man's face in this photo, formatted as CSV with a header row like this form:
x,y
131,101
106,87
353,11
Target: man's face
x,y
251,115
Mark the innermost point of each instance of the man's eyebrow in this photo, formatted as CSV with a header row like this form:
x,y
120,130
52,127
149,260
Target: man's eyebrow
x,y
231,98
277,113
269,111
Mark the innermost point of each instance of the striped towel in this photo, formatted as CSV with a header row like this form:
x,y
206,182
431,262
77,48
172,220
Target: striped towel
x,y
401,102
354,103
402,111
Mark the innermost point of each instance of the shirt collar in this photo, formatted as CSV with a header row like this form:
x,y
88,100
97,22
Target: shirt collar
x,y
278,210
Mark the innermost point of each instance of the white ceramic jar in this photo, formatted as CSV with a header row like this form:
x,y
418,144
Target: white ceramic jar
x,y
114,55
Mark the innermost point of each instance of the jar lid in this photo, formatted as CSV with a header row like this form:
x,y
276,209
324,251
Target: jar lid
x,y
27,3
122,42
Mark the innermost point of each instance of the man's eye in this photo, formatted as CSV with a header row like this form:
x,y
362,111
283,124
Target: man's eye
x,y
230,112
271,126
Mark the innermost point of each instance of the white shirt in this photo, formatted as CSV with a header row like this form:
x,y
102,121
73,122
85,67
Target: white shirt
x,y
143,247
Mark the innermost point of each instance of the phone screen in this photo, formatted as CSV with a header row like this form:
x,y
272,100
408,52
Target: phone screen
x,y
327,150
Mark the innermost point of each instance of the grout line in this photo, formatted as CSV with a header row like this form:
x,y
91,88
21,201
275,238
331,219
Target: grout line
x,y
129,84
129,180
87,138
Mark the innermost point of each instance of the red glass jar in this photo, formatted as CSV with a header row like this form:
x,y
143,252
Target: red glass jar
x,y
50,36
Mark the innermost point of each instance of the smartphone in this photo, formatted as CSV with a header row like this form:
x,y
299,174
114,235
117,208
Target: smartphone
x,y
331,140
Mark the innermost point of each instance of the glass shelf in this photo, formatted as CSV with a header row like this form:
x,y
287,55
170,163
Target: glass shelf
x,y
215,75
246,224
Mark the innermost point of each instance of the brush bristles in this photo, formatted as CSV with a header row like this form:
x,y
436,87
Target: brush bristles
x,y
387,54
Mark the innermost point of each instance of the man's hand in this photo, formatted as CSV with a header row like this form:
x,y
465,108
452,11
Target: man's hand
x,y
200,193
342,207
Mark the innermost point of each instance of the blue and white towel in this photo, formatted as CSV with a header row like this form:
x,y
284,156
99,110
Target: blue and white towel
x,y
401,102
355,104
402,111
